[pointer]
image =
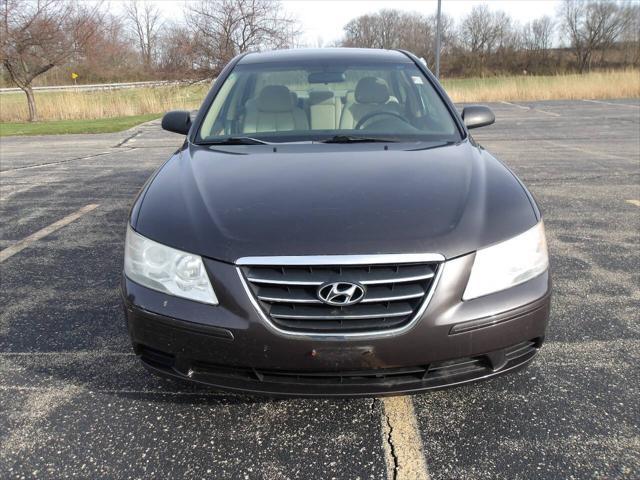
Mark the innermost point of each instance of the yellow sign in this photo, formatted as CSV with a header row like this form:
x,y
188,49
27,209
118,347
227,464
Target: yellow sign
x,y
74,75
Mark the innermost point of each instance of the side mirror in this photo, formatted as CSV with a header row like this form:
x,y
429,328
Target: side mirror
x,y
177,121
475,116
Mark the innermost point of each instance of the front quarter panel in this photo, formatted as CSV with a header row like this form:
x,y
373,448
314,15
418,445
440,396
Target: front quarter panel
x,y
510,208
134,213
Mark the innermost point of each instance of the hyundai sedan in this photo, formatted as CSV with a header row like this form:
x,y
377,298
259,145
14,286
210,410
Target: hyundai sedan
x,y
330,227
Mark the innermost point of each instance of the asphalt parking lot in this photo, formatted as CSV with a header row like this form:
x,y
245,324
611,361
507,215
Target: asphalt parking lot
x,y
74,401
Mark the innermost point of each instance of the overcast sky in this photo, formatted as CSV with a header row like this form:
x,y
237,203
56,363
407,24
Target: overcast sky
x,y
324,19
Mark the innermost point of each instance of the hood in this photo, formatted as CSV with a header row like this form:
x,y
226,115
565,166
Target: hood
x,y
332,200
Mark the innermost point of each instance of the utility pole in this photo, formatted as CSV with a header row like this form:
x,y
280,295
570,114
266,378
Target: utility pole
x,y
438,35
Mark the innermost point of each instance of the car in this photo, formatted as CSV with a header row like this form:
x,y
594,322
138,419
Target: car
x,y
329,227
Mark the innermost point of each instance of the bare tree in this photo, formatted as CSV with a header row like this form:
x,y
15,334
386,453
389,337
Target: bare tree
x,y
145,22
537,39
227,28
630,37
390,29
110,55
486,33
538,34
591,26
483,31
180,54
362,32
397,29
447,31
39,35
390,25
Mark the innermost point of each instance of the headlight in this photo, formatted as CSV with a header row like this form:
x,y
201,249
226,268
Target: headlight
x,y
166,269
509,263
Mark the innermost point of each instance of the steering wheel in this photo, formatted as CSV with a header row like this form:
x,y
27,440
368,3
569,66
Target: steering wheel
x,y
370,115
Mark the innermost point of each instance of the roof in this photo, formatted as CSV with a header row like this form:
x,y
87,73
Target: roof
x,y
326,54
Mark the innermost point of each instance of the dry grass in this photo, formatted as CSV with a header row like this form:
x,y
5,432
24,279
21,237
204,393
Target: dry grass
x,y
102,104
122,103
594,85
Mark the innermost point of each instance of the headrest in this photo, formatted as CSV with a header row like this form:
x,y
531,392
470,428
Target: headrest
x,y
274,99
372,90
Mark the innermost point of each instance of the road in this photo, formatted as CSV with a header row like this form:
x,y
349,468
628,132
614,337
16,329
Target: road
x,y
74,401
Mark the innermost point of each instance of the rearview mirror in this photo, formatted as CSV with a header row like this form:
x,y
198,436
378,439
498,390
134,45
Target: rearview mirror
x,y
475,116
326,77
177,121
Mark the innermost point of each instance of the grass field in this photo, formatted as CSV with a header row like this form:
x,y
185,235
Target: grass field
x,y
102,104
594,85
56,127
115,104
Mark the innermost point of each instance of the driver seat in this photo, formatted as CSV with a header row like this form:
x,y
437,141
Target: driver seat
x,y
371,95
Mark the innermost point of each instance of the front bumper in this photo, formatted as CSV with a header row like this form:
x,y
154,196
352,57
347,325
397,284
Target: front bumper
x,y
231,346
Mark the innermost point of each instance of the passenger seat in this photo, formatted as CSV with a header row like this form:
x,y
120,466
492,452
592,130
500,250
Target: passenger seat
x,y
274,111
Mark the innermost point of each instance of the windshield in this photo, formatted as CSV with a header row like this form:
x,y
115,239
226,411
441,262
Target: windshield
x,y
297,103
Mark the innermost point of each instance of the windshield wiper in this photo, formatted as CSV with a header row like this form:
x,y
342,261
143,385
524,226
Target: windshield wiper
x,y
356,139
435,144
235,141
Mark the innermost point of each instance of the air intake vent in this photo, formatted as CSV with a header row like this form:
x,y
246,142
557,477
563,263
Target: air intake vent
x,y
298,298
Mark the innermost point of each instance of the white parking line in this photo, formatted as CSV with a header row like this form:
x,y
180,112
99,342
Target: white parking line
x,y
611,103
634,202
585,151
515,105
553,114
34,237
402,442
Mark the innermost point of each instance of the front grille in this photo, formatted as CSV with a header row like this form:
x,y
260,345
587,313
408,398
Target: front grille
x,y
288,295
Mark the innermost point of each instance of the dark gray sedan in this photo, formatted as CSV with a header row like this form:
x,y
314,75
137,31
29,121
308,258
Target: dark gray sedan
x,y
329,227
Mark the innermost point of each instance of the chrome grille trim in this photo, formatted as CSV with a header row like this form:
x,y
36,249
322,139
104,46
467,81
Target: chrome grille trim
x,y
393,298
283,282
288,300
314,279
304,260
347,317
318,283
371,298
415,278
293,325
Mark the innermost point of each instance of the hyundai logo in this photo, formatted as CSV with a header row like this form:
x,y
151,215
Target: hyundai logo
x,y
341,294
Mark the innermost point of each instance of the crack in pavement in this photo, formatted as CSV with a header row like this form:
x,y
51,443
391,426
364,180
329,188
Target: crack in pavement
x,y
128,139
85,157
37,165
546,181
119,145
391,448
402,444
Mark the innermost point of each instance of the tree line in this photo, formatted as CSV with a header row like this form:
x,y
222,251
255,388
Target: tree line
x,y
44,41
580,36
